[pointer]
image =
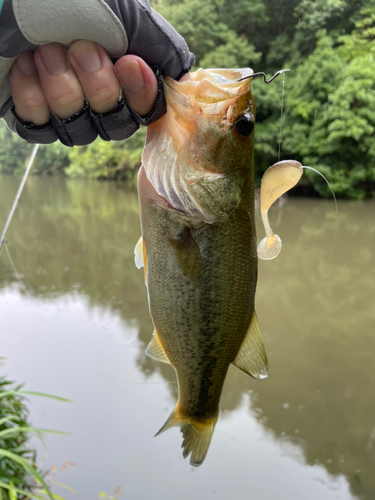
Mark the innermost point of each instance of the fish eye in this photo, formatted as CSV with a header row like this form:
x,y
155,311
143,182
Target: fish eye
x,y
244,125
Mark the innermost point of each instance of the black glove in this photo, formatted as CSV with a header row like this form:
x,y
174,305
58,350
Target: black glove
x,y
120,26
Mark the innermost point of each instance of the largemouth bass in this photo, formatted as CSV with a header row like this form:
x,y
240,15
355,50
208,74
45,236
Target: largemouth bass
x,y
198,244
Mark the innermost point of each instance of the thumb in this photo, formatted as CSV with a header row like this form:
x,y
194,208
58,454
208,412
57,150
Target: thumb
x,y
140,86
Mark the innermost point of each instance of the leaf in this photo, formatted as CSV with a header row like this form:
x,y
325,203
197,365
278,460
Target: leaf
x,y
55,496
8,419
17,430
64,486
12,493
42,394
27,494
7,393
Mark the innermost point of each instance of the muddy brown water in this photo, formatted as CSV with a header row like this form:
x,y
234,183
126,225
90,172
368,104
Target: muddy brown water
x,y
77,324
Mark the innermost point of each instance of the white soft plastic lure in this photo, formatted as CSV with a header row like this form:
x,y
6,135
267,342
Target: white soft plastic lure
x,y
277,180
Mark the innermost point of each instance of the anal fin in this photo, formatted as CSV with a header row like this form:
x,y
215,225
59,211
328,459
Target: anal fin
x,y
155,350
251,356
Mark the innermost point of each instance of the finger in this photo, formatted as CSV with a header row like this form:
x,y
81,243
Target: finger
x,y
28,96
61,86
139,83
96,74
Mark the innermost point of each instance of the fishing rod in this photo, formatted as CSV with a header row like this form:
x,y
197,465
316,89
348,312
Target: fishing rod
x,y
18,195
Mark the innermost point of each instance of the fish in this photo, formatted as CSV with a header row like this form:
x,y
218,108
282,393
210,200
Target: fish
x,y
198,245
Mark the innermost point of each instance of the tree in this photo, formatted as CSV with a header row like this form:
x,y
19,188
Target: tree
x,y
331,119
209,37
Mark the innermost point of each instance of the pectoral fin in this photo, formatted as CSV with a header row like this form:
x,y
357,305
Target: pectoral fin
x,y
188,256
251,356
138,253
155,350
140,256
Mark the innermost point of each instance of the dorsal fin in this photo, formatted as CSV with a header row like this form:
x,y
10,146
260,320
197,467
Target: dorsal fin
x,y
251,356
155,350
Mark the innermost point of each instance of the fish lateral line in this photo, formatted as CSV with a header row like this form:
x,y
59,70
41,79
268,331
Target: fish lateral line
x,y
277,180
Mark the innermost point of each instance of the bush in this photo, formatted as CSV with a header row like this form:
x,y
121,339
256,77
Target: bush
x,y
14,415
19,476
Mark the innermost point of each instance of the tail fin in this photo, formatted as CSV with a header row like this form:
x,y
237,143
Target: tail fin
x,y
197,435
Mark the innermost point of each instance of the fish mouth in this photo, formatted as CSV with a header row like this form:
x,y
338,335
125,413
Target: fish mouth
x,y
207,90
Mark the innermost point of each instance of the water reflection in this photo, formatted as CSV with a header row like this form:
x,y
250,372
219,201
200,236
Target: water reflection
x,y
316,311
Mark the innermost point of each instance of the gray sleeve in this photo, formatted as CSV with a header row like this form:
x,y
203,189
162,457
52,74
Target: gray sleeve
x,y
120,26
26,25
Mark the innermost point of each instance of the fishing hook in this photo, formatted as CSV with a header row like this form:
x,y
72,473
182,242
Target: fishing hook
x,y
264,76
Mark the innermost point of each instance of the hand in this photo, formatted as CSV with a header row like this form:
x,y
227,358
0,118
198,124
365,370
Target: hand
x,y
120,27
58,79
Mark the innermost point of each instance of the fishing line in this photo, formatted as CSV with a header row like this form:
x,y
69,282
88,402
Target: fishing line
x,y
16,273
16,200
281,116
336,208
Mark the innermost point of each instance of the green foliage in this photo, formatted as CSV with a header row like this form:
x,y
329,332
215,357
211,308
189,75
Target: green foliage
x,y
361,40
331,112
236,52
244,17
103,160
19,477
14,414
107,160
14,152
51,159
330,15
328,119
204,26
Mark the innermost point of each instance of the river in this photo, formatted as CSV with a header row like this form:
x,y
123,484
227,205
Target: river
x,y
74,322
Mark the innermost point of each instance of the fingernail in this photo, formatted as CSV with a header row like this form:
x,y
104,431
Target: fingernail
x,y
26,65
131,76
86,55
54,58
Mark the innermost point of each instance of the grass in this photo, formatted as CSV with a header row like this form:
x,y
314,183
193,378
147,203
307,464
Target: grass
x,y
20,478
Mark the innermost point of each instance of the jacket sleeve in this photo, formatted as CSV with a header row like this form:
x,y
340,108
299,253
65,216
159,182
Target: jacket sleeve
x,y
120,26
